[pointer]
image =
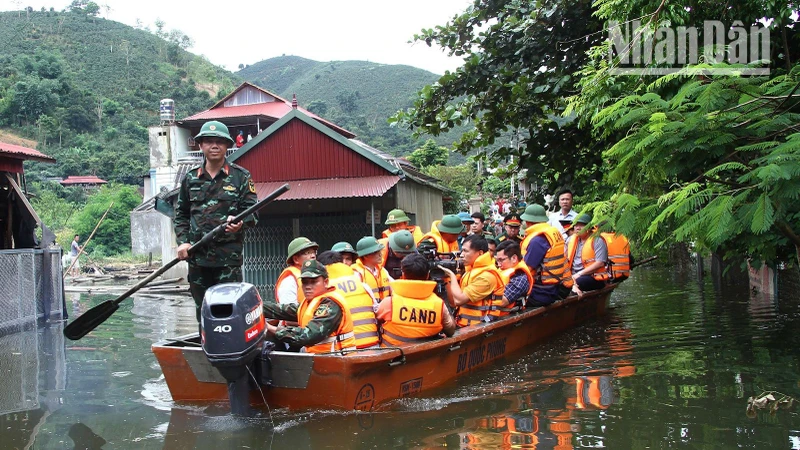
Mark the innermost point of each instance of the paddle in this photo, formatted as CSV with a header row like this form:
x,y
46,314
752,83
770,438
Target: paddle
x,y
89,320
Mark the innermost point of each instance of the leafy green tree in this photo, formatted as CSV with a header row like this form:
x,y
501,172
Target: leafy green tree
x,y
113,236
519,61
429,154
495,185
712,160
462,180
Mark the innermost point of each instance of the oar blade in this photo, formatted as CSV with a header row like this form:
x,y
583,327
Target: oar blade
x,y
89,320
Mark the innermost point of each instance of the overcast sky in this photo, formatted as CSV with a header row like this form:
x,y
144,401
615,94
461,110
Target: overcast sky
x,y
233,32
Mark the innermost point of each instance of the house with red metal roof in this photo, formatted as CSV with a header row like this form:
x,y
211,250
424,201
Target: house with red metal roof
x,y
30,283
84,181
341,189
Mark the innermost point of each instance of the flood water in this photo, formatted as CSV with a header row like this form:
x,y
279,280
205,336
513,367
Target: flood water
x,y
671,366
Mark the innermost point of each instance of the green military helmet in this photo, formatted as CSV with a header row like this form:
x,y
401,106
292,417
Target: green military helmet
x,y
298,245
402,242
368,245
451,224
396,216
583,218
344,247
534,214
214,128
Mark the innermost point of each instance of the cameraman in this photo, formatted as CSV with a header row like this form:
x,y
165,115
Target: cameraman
x,y
414,313
401,244
481,285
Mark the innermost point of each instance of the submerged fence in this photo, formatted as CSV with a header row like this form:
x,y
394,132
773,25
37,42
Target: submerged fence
x,y
31,287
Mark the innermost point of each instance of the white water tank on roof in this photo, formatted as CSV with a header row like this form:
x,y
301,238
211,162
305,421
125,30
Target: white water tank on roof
x,y
167,111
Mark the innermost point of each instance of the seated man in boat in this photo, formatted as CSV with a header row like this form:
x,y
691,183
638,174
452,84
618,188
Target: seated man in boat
x,y
543,252
370,267
401,244
357,296
347,251
443,237
414,313
586,257
325,322
516,275
397,220
287,287
481,286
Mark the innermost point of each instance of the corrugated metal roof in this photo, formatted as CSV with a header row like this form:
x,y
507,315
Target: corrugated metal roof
x,y
20,152
271,109
330,188
88,179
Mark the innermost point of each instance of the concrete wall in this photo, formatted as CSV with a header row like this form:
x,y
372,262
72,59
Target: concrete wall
x,y
169,249
167,144
146,233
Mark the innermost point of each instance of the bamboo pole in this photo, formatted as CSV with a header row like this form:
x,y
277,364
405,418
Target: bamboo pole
x,y
87,241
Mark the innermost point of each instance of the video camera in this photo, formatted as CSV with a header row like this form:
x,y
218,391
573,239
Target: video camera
x,y
446,260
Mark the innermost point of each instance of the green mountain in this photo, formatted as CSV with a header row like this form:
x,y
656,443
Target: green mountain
x,y
357,95
87,88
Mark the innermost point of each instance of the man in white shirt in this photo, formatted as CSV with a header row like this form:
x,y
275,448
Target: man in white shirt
x,y
565,213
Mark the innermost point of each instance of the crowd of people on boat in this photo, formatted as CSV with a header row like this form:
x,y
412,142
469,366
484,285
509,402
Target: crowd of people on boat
x,y
410,287
406,287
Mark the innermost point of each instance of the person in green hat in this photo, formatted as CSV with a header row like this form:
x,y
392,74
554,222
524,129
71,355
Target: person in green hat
x,y
288,288
586,257
397,220
401,244
443,237
511,224
323,321
349,254
543,253
370,267
212,194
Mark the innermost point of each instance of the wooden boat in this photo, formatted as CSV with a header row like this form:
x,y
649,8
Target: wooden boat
x,y
365,379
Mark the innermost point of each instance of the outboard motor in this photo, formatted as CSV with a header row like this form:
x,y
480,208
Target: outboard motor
x,y
232,333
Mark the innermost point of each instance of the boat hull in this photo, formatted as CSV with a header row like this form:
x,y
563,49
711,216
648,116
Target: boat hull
x,y
364,380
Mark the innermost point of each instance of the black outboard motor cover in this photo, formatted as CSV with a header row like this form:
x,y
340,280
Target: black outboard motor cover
x,y
232,324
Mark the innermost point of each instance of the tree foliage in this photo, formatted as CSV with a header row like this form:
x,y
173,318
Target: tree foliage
x,y
519,64
429,154
113,236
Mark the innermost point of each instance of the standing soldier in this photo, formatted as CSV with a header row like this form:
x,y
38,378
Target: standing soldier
x,y
512,223
370,267
210,195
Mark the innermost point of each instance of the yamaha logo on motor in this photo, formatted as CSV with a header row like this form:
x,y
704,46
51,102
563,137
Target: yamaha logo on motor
x,y
253,315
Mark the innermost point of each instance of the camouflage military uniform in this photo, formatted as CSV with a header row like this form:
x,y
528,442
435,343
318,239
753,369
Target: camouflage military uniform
x,y
504,236
204,203
326,321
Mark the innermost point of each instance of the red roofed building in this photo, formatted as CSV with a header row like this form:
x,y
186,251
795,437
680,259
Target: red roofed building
x,y
85,181
12,156
341,189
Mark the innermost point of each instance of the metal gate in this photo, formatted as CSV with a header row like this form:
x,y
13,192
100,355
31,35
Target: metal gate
x,y
31,287
265,245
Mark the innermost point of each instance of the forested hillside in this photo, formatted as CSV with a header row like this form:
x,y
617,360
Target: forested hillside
x,y
357,95
86,88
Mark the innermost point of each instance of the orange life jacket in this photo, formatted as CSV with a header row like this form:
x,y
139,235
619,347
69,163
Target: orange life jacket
x,y
341,339
552,269
380,284
359,302
523,268
415,231
293,272
587,256
619,255
416,313
474,312
435,236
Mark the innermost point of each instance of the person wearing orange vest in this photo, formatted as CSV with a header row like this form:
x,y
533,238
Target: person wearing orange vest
x,y
443,237
357,296
349,254
480,286
398,220
543,252
517,276
400,245
325,322
287,286
370,267
414,313
586,257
